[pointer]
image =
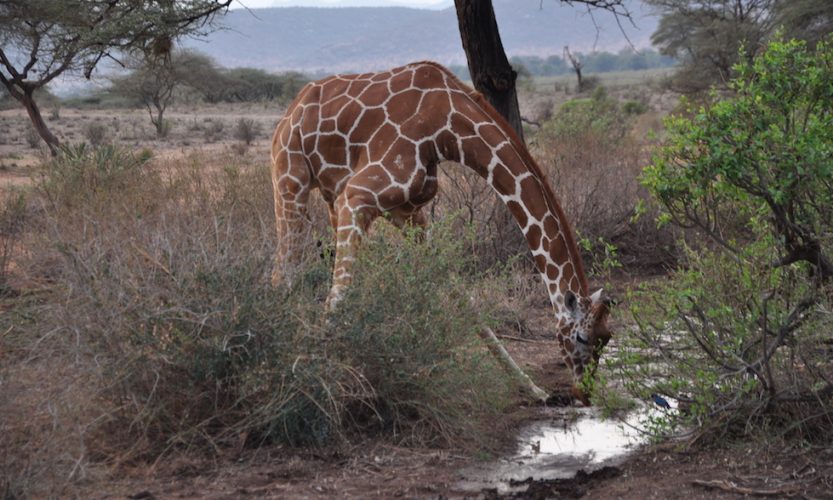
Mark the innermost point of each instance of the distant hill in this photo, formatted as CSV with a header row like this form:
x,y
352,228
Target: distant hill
x,y
324,40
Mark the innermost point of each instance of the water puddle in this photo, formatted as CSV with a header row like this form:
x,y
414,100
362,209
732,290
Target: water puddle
x,y
569,440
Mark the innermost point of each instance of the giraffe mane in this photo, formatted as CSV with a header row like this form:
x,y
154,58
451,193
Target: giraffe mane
x,y
533,166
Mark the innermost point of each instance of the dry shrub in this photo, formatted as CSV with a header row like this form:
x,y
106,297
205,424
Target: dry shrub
x,y
12,224
594,164
246,130
96,133
31,136
213,130
155,328
466,195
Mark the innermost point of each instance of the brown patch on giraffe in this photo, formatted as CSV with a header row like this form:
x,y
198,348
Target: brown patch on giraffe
x,y
333,107
428,156
551,226
392,197
539,208
541,263
283,137
503,180
327,125
415,128
404,106
533,236
295,117
476,151
379,144
369,122
435,103
401,82
422,192
518,211
334,86
357,155
552,271
310,143
400,160
332,176
428,77
380,77
371,178
311,114
288,185
357,86
461,125
447,144
315,161
333,148
374,95
491,134
350,114
466,105
568,274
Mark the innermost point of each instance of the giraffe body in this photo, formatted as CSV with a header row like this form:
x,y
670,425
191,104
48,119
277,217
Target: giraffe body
x,y
371,144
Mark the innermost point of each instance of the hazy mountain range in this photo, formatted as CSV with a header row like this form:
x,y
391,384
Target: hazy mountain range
x,y
328,39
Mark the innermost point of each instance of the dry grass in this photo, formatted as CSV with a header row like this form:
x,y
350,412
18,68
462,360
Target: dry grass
x,y
140,321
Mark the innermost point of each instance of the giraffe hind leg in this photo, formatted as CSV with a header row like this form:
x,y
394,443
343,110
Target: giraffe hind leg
x,y
291,185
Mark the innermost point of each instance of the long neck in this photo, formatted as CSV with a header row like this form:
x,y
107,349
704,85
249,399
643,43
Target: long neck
x,y
495,153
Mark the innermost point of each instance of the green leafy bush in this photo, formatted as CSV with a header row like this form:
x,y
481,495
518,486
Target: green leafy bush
x,y
740,335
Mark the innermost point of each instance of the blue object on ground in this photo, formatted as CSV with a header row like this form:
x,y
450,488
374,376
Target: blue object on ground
x,y
660,401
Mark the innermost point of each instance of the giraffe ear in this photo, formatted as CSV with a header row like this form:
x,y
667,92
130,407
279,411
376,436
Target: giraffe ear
x,y
571,301
596,297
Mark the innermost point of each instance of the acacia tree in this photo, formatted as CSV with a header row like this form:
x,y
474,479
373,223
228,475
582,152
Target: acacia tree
x,y
41,40
489,68
154,80
710,36
809,20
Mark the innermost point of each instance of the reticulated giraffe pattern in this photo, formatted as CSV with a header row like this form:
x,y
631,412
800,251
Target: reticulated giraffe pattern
x,y
371,144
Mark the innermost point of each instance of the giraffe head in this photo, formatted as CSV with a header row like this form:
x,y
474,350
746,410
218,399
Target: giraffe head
x,y
586,334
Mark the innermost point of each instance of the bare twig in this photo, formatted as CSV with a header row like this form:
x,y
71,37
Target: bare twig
x,y
725,485
510,366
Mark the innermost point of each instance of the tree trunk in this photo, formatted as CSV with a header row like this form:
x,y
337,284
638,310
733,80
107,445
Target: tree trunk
x,y
28,100
490,70
576,64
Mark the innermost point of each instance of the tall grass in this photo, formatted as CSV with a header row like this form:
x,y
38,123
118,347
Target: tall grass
x,y
146,324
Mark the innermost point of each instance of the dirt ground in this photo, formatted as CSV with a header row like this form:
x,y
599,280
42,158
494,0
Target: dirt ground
x,y
374,469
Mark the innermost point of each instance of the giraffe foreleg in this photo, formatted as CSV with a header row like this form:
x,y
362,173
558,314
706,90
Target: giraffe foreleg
x,y
355,214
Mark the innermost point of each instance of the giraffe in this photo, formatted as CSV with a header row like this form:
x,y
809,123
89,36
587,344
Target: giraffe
x,y
371,144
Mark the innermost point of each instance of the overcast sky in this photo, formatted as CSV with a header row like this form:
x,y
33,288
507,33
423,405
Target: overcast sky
x,y
425,4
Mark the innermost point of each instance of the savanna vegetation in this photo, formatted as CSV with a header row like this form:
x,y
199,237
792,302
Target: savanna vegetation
x,y
137,321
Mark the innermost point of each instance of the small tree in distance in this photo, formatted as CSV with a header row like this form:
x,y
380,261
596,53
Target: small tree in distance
x,y
154,80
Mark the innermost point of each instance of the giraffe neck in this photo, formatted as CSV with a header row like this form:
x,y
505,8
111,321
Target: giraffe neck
x,y
496,154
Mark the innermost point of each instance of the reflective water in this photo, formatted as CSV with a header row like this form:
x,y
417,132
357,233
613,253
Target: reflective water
x,y
570,440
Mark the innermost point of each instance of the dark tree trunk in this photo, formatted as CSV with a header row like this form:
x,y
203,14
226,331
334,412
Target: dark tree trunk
x,y
28,100
576,64
490,70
